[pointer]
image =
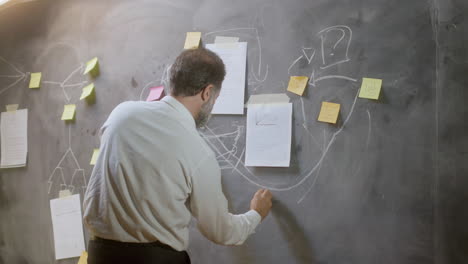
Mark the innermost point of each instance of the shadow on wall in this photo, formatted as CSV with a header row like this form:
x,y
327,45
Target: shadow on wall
x,y
452,210
299,244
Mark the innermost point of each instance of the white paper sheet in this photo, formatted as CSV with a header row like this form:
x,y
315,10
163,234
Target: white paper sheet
x,y
67,226
14,138
268,135
231,98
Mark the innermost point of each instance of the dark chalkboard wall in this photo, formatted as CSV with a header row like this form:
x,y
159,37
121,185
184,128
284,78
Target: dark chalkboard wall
x,y
385,185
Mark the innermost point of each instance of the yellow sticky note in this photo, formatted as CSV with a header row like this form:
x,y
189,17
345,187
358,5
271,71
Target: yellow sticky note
x,y
83,258
94,157
192,41
297,84
92,67
35,81
87,91
69,112
370,88
329,112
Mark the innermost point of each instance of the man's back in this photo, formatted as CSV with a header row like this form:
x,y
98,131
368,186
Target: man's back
x,y
140,184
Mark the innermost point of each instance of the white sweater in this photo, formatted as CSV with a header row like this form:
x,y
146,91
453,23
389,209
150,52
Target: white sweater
x,y
154,171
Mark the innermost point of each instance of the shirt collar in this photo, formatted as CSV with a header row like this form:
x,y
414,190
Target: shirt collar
x,y
179,107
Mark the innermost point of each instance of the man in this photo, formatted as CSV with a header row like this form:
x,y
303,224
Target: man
x,y
154,171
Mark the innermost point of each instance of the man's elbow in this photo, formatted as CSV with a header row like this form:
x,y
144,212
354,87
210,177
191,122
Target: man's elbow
x,y
227,239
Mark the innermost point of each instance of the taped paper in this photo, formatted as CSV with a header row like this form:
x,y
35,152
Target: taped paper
x,y
64,193
12,107
268,99
226,42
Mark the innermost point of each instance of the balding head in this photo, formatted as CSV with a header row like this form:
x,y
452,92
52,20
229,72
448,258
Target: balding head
x,y
194,70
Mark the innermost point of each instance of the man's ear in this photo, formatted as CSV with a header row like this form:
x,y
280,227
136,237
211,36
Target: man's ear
x,y
207,92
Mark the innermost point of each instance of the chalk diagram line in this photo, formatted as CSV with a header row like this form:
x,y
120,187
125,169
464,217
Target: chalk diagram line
x,y
227,157
78,172
58,171
20,76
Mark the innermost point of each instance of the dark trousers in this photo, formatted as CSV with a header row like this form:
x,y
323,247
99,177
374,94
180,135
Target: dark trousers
x,y
103,251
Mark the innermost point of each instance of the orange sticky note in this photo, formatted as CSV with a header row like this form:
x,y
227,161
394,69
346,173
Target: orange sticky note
x,y
329,112
297,84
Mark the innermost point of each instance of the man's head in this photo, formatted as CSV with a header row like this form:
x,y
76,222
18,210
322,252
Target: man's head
x,y
195,80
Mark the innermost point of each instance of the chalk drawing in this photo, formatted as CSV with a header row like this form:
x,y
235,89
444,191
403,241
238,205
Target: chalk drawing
x,y
328,59
346,33
18,77
229,158
78,171
64,84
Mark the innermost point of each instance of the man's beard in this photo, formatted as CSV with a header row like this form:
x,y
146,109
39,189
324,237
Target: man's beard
x,y
205,113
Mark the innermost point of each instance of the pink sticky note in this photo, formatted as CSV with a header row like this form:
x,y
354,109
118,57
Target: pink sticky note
x,y
156,93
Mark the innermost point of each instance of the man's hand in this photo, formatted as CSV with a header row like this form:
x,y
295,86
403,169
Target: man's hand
x,y
261,202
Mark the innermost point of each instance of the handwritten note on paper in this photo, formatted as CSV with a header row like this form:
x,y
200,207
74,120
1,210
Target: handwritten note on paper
x,y
35,81
370,88
329,112
268,142
14,138
155,93
192,41
87,91
94,157
297,84
231,98
69,112
67,227
92,67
